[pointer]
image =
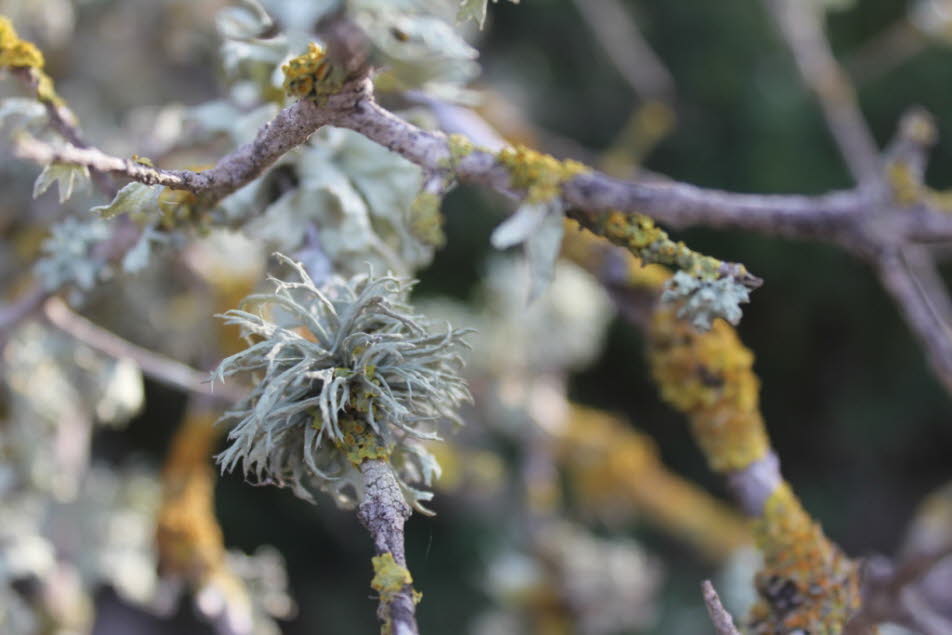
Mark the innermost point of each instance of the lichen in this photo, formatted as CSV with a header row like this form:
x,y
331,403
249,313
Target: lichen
x,y
389,577
426,221
311,75
540,175
17,53
347,372
709,377
806,583
906,188
708,287
616,471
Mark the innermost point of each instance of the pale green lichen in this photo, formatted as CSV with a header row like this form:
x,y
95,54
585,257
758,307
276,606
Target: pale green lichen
x,y
347,373
68,256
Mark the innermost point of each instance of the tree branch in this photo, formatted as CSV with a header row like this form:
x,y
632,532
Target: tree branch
x,y
383,513
163,369
801,25
723,622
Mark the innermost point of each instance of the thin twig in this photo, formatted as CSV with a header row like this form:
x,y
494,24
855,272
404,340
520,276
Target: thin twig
x,y
618,34
163,369
723,622
925,320
801,24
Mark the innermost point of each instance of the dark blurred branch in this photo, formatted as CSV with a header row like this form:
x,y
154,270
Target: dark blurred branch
x,y
618,34
885,51
801,24
163,369
723,622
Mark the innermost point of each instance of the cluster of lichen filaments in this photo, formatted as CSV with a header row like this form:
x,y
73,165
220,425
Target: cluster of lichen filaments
x,y
709,377
806,583
345,373
311,75
540,175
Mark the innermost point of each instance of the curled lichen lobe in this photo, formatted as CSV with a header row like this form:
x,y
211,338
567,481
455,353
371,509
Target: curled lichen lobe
x,y
311,74
540,175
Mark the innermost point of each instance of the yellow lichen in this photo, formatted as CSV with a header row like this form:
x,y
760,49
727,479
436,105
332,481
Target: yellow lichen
x,y
389,577
460,147
806,583
360,442
17,53
189,539
596,255
311,75
615,470
709,377
541,175
906,188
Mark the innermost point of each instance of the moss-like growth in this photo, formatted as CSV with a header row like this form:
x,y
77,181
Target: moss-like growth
x,y
806,584
426,221
541,175
709,377
311,75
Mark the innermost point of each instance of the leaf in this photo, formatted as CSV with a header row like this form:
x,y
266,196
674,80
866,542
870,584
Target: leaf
x,y
134,197
539,227
475,10
67,177
520,226
472,9
542,251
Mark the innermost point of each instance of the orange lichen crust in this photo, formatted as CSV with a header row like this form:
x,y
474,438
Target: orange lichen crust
x,y
20,54
189,539
708,376
311,75
360,442
806,583
540,175
614,468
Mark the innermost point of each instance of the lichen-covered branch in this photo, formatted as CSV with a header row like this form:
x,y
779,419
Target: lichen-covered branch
x,y
383,512
806,582
613,466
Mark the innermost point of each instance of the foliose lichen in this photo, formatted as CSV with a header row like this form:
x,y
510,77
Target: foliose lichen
x,y
704,300
68,254
347,372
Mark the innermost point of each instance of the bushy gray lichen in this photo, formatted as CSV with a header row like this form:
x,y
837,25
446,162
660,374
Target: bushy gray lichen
x,y
68,254
705,300
345,372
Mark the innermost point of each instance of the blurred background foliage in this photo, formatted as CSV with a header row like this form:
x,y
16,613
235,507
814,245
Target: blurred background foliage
x,y
861,426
